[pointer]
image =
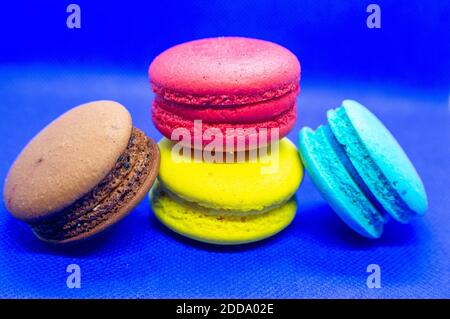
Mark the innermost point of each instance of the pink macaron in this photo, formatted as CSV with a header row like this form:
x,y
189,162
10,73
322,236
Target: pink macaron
x,y
240,88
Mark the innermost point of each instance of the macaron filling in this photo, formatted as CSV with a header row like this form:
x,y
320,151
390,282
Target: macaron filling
x,y
364,169
113,192
167,122
236,114
214,210
173,95
345,161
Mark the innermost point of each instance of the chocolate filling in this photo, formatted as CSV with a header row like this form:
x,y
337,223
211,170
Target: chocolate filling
x,y
104,200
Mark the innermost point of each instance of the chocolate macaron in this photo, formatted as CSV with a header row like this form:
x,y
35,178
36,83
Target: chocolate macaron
x,y
82,173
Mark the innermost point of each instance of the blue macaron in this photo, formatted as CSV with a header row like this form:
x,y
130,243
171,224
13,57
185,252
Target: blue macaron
x,y
361,170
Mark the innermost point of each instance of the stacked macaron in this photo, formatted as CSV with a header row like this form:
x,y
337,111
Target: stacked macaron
x,y
226,96
228,84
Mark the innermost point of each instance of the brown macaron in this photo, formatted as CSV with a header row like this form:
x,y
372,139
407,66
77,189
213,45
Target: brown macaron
x,y
82,173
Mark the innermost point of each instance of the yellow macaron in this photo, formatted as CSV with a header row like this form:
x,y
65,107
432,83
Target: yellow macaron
x,y
227,203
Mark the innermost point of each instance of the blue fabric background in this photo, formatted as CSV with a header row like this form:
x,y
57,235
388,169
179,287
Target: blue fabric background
x,y
400,72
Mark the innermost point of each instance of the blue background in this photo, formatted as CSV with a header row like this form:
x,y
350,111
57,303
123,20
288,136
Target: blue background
x,y
400,71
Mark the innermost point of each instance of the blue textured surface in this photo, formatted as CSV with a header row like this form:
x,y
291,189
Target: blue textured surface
x,y
317,256
43,72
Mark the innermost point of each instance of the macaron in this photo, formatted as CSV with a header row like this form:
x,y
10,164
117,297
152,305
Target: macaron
x,y
361,170
227,83
227,203
82,173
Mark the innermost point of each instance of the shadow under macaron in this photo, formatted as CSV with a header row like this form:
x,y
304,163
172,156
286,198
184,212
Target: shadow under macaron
x,y
156,225
320,223
94,245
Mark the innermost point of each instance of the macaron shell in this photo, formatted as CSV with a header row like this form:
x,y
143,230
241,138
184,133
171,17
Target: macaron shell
x,y
67,159
379,160
240,187
199,224
336,184
207,71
